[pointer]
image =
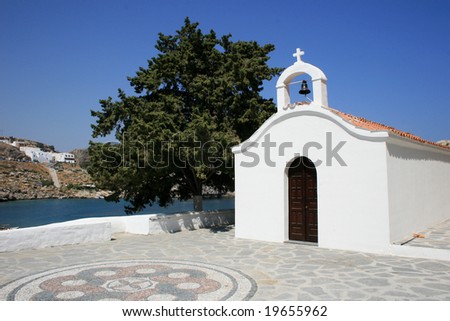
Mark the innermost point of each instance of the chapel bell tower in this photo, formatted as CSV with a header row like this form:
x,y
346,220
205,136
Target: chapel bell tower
x,y
318,79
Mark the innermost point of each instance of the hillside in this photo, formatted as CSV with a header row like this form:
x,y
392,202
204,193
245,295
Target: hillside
x,y
25,180
82,157
30,143
72,175
11,153
21,179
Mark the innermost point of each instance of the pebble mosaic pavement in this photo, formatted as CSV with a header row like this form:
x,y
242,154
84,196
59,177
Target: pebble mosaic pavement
x,y
134,280
213,265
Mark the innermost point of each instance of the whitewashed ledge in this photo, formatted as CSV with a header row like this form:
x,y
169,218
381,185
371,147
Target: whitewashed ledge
x,y
161,223
100,229
53,235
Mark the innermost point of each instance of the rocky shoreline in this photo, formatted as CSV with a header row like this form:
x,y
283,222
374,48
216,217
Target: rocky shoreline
x,y
30,181
46,192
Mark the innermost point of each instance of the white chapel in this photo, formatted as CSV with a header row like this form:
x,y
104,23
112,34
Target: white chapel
x,y
314,174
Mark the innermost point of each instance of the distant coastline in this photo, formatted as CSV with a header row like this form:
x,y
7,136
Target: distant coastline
x,y
11,196
29,181
31,170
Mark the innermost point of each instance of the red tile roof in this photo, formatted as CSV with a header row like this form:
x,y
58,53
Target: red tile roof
x,y
373,126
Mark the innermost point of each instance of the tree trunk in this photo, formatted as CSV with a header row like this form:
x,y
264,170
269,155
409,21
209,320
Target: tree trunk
x,y
198,203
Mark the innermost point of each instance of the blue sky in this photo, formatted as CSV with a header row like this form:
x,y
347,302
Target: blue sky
x,y
388,61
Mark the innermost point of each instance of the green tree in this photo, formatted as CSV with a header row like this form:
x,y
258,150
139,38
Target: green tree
x,y
196,98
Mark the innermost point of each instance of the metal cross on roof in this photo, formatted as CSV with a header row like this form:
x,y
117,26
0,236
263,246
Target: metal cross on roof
x,y
298,53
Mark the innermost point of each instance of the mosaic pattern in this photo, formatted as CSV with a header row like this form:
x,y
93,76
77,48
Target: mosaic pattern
x,y
133,280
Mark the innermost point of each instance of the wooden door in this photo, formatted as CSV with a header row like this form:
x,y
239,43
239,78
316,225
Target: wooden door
x,y
302,201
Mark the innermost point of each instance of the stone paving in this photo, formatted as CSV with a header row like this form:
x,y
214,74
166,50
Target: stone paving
x,y
436,237
210,264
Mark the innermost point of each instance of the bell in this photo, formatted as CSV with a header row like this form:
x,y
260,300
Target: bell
x,y
304,90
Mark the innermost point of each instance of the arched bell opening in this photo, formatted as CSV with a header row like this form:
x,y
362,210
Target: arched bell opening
x,y
317,84
301,89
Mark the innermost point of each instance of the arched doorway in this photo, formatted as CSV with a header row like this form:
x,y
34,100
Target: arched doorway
x,y
302,194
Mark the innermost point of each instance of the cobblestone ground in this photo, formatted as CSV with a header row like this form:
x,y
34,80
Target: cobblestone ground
x,y
213,265
436,237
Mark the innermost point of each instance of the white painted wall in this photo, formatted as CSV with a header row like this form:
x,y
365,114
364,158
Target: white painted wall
x,y
54,235
36,154
419,187
352,199
100,229
161,223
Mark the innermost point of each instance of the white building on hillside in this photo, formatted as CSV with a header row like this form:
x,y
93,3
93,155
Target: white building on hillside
x,y
37,155
311,173
64,158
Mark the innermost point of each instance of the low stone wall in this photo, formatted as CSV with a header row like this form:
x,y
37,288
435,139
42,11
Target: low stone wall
x,y
189,221
162,223
53,235
100,229
420,252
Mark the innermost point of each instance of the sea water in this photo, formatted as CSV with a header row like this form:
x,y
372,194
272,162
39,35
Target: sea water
x,y
41,212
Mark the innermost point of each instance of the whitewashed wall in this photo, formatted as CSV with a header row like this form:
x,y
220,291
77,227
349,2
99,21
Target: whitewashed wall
x,y
419,187
352,199
54,235
161,223
100,229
